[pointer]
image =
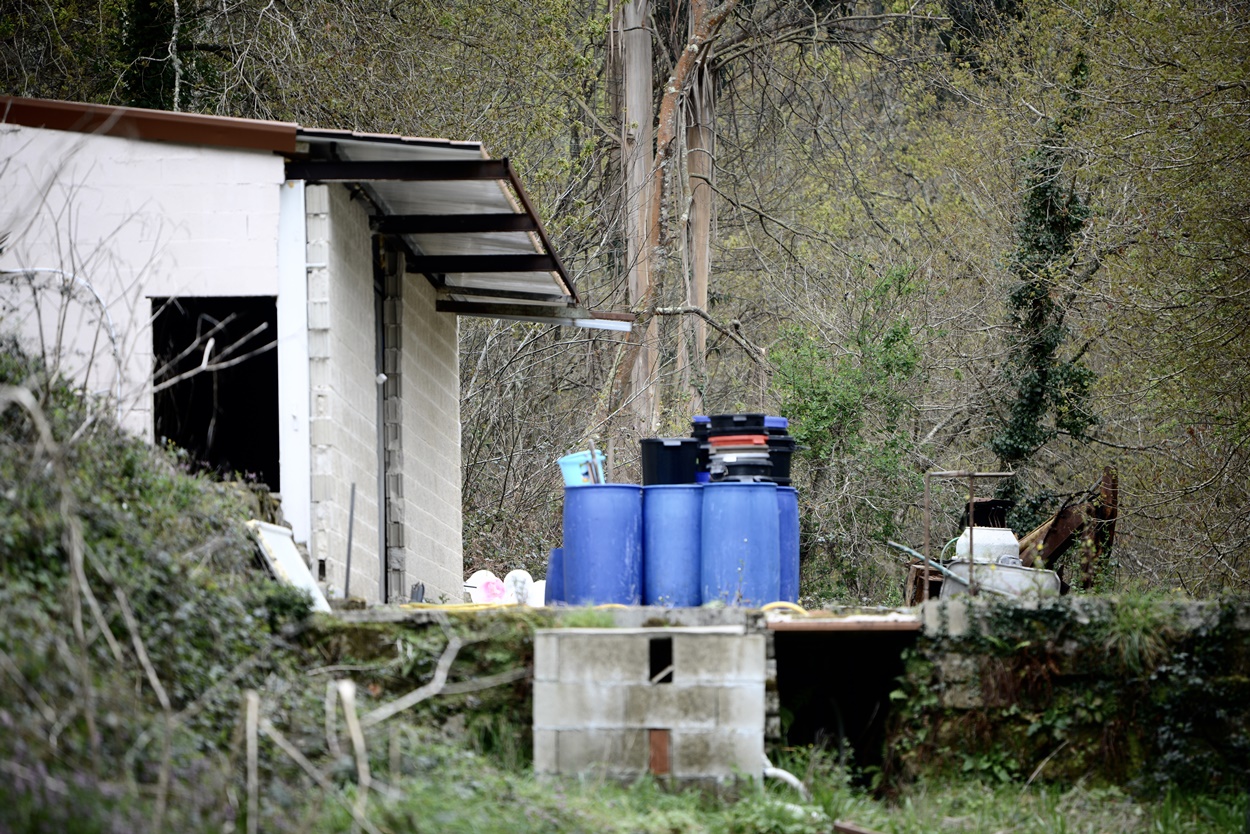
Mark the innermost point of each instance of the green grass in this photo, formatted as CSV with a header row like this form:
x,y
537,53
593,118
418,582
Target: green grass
x,y
446,789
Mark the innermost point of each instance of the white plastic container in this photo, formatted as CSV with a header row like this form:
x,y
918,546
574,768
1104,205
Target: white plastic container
x,y
1002,580
991,544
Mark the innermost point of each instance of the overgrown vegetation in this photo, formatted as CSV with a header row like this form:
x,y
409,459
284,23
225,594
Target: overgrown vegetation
x,y
1149,693
131,713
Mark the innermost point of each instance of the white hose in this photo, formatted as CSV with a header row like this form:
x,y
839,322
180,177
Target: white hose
x,y
786,776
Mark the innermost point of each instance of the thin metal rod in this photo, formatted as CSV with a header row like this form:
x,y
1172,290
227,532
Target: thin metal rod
x,y
351,522
972,523
927,524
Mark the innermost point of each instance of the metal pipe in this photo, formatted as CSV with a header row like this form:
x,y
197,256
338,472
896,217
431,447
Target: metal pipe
x,y
972,523
940,568
925,596
351,521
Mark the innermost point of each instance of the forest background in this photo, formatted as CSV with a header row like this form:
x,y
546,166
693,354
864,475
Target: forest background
x,y
971,234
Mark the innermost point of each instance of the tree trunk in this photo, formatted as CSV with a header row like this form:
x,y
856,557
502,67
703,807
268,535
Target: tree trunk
x,y
636,155
700,156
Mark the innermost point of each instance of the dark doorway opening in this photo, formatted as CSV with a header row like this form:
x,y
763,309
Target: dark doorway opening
x,y
835,687
216,383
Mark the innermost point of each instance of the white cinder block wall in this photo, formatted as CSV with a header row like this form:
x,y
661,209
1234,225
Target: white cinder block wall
x,y
342,344
135,220
431,439
140,219
343,374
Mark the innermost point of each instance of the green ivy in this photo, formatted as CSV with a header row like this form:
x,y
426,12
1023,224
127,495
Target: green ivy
x,y
1050,393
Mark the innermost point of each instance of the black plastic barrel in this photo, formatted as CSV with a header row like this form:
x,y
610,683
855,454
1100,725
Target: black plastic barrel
x,y
669,460
746,465
723,424
700,425
781,448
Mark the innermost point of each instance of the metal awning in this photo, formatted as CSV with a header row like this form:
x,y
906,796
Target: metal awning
x,y
465,219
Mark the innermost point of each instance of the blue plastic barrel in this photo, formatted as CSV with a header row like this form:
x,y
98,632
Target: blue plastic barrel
x,y
788,521
603,544
671,520
555,577
741,552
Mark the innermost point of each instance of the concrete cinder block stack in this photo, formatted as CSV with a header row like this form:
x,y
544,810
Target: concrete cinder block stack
x,y
686,704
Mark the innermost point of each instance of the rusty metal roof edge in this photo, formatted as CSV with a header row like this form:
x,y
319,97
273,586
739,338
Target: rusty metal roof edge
x,y
153,125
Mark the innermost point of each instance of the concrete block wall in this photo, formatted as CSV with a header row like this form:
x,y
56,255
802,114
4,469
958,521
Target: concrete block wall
x,y
430,397
601,707
135,220
342,343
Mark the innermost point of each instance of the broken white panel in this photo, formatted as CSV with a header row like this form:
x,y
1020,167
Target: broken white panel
x,y
278,546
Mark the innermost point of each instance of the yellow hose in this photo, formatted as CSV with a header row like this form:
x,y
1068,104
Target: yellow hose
x,y
456,606
789,606
610,605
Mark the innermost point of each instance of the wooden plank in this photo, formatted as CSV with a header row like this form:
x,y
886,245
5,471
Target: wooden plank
x,y
660,764
844,827
844,625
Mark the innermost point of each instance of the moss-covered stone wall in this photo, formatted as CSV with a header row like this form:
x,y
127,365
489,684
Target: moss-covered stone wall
x,y
1149,692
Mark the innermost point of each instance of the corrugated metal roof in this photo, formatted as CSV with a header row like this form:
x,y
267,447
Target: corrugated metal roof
x,y
464,218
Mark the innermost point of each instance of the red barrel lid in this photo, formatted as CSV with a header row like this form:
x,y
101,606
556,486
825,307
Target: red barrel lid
x,y
739,440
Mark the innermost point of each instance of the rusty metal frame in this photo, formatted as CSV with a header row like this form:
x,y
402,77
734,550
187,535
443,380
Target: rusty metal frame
x,y
972,522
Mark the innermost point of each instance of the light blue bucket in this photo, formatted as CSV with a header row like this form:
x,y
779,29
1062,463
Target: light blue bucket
x,y
576,469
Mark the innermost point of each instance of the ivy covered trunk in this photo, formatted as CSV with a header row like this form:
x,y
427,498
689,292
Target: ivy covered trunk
x,y
1048,391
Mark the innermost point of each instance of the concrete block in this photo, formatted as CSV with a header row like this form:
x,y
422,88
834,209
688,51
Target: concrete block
x,y
316,199
717,753
318,315
545,752
604,656
962,696
666,705
560,705
611,752
546,656
322,432
741,707
956,617
931,617
718,658
955,668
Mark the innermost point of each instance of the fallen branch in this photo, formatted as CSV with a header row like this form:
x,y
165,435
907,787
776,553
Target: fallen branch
x,y
757,354
347,695
253,761
434,687
316,775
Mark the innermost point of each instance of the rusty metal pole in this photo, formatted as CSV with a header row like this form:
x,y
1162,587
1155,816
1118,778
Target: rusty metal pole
x,y
972,523
927,524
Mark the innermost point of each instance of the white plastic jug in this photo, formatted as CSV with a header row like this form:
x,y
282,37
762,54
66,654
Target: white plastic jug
x,y
990,543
